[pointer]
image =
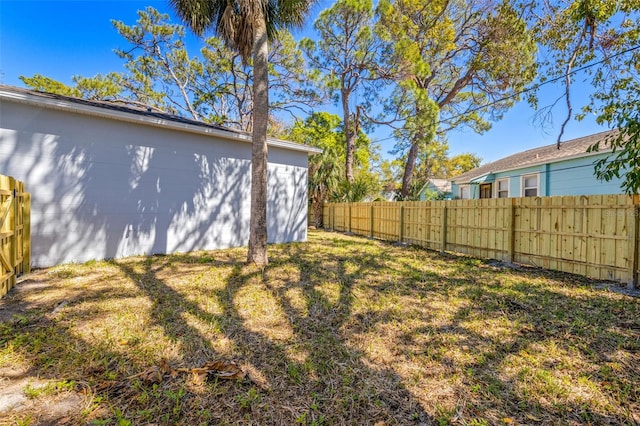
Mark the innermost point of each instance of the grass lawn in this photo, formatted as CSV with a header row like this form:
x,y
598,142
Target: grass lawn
x,y
339,330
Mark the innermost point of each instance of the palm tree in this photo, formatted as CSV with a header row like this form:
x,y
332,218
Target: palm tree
x,y
324,177
246,26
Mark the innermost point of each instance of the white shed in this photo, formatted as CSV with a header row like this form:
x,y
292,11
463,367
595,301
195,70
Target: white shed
x,y
108,181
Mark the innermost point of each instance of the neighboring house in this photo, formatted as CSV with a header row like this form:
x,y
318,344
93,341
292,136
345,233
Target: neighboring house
x,y
111,181
538,172
435,189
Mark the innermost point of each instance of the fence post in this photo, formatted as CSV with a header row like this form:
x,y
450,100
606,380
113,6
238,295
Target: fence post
x,y
332,213
400,234
443,232
371,221
26,233
349,217
633,247
511,236
13,225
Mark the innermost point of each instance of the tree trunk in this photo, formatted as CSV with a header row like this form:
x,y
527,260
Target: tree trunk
x,y
410,165
350,138
318,210
258,223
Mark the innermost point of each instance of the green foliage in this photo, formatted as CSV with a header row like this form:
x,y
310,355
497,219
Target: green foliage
x,y
623,111
461,163
326,170
99,87
216,87
321,130
347,60
364,186
45,84
451,59
579,32
390,172
160,68
236,22
109,87
434,161
413,194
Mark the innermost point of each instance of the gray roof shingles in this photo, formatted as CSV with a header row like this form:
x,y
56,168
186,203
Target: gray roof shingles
x,y
442,185
119,106
546,154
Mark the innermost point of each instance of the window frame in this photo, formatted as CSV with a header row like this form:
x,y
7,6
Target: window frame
x,y
498,190
523,188
490,184
460,190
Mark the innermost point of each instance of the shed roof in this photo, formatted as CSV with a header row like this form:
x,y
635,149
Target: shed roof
x,y
122,112
442,185
574,148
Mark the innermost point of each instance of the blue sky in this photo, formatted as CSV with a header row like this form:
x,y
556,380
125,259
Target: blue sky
x,y
60,39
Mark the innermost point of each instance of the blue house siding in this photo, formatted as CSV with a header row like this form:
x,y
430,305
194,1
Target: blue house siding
x,y
455,191
515,179
574,176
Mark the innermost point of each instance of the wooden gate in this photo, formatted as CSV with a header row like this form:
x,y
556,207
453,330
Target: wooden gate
x,y
15,232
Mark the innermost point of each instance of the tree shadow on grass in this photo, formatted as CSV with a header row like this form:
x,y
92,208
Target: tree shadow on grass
x,y
344,331
57,364
326,378
299,366
517,346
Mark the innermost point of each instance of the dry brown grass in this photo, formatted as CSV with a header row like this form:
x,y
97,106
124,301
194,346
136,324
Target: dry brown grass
x,y
340,330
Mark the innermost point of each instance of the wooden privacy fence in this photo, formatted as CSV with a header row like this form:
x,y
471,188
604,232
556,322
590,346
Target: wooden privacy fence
x,y
15,232
595,236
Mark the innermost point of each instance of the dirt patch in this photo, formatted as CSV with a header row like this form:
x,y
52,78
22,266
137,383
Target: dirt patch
x,y
36,400
617,288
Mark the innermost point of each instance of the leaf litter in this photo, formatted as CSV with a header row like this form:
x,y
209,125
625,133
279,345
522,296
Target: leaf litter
x,y
211,369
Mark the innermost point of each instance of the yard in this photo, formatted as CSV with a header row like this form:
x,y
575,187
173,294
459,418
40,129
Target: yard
x,y
340,330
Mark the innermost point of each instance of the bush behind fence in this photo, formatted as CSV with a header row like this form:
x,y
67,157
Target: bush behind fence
x,y
595,236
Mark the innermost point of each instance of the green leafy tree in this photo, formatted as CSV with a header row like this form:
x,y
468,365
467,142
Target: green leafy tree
x,y
161,72
322,130
434,162
326,170
347,55
390,176
225,95
246,26
461,163
365,186
217,88
45,84
452,59
577,34
111,87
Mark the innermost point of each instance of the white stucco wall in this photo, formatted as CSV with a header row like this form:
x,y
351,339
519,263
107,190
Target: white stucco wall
x,y
103,188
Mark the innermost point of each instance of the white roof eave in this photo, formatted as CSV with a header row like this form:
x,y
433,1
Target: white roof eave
x,y
64,105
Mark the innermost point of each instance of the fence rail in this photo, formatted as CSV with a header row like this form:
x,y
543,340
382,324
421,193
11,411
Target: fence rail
x,y
15,232
595,236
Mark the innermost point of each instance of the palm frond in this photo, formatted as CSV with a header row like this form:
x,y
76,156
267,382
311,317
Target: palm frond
x,y
234,20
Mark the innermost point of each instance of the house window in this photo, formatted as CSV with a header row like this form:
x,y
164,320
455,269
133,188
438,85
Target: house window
x,y
530,185
464,192
485,190
502,188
